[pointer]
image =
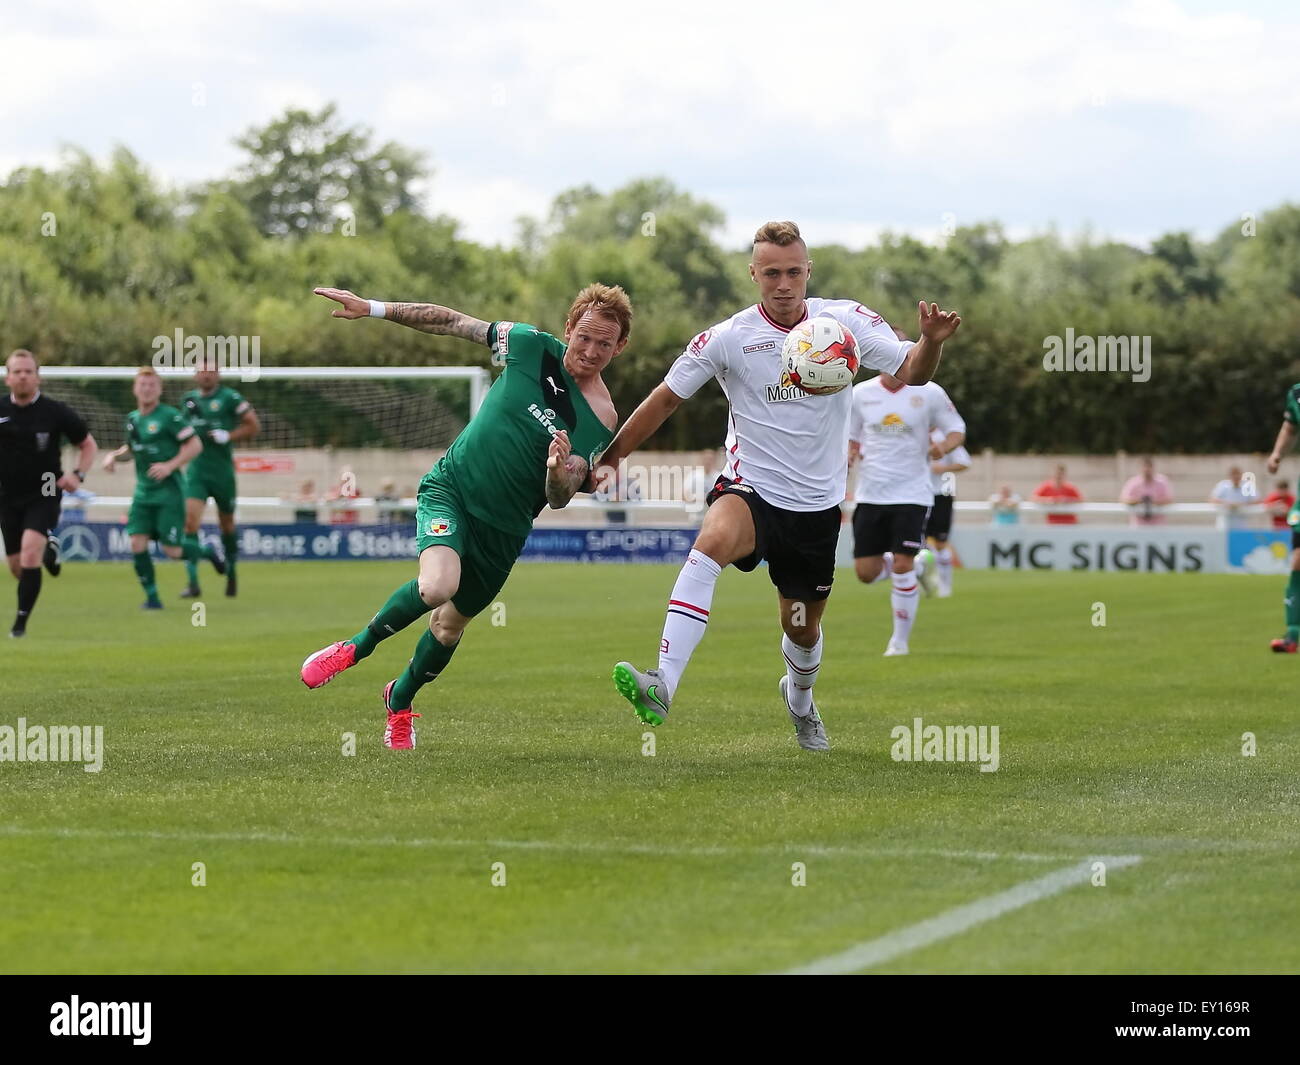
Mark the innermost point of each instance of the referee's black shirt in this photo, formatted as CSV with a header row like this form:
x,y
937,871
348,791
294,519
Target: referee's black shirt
x,y
31,438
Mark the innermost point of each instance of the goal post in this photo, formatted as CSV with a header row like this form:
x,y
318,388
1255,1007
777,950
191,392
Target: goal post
x,y
354,437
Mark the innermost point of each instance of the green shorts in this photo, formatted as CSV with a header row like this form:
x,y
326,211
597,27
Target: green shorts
x,y
200,483
487,554
161,518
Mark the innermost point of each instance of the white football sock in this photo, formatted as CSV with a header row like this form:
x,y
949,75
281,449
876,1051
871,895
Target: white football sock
x,y
801,667
944,559
904,599
886,569
687,617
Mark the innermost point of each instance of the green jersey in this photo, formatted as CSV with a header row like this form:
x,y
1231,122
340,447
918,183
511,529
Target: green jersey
x,y
499,461
223,408
156,437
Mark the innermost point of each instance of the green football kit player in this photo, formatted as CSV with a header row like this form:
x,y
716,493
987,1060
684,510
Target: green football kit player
x,y
221,417
161,440
1286,438
532,442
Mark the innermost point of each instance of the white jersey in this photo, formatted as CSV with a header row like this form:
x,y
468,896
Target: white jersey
x,y
893,431
957,456
786,443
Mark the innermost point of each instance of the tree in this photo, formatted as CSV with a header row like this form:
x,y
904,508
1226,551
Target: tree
x,y
677,230
306,172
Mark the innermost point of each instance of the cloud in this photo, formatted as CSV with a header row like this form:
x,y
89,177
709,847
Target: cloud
x,y
1135,116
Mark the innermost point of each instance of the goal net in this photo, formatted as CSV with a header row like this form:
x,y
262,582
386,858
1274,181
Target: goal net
x,y
338,446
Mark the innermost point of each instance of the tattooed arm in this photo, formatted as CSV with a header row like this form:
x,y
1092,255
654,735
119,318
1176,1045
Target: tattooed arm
x,y
426,317
565,472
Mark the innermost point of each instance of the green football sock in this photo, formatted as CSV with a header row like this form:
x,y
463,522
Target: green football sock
x,y
1293,606
403,607
191,553
430,659
144,570
230,543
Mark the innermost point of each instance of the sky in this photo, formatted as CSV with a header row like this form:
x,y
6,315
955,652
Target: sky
x,y
1126,119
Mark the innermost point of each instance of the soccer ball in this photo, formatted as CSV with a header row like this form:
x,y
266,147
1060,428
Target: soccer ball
x,y
820,356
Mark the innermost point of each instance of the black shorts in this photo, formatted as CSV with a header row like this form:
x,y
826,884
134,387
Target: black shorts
x,y
36,511
939,524
881,527
1295,539
799,546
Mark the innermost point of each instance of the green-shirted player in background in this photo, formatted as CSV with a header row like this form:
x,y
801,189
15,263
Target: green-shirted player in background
x,y
221,417
161,440
1286,438
531,443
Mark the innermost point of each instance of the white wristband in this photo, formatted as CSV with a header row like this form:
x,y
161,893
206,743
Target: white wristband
x,y
376,309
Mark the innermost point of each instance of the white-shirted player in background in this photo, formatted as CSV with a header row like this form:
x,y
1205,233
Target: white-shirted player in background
x,y
943,482
889,432
778,497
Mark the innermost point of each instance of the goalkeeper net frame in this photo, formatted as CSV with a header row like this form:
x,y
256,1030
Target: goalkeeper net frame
x,y
323,410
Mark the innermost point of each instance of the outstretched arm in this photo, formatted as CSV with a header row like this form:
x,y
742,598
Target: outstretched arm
x,y
923,359
426,317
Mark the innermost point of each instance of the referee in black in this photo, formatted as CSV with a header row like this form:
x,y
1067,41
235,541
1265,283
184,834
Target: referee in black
x,y
32,481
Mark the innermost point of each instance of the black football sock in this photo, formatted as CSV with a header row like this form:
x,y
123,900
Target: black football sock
x,y
29,587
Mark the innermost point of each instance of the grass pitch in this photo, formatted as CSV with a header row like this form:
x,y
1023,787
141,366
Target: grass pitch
x,y
1122,739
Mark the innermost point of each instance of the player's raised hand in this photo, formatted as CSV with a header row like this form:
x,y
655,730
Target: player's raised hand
x,y
353,305
1274,462
558,456
936,325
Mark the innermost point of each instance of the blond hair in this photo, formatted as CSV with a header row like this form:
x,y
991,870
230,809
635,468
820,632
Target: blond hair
x,y
781,234
147,371
23,353
610,301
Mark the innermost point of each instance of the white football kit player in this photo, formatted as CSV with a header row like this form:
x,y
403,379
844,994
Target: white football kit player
x,y
785,459
892,429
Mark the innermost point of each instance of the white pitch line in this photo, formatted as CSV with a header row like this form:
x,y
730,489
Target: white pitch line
x,y
953,922
793,850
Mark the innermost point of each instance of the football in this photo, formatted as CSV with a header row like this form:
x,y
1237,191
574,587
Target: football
x,y
820,356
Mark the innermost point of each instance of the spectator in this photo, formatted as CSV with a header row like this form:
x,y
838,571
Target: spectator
x,y
1147,494
1231,497
386,513
305,502
1060,497
1005,505
1279,502
345,489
